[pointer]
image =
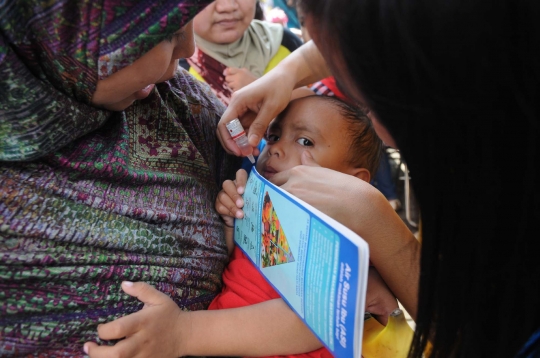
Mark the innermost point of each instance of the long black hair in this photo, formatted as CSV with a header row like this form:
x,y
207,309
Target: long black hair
x,y
457,85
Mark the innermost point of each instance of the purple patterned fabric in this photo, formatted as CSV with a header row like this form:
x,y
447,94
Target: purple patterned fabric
x,y
89,198
52,54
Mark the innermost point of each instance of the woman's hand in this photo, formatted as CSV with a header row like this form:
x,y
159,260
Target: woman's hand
x,y
261,101
380,301
161,326
394,250
255,106
237,78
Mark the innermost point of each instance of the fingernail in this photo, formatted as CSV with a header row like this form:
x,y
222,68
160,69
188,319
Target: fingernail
x,y
127,283
239,203
240,190
239,215
85,349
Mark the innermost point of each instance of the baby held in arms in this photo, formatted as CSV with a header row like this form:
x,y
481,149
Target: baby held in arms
x,y
249,318
319,129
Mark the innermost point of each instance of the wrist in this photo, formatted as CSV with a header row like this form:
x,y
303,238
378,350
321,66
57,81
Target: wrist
x,y
184,334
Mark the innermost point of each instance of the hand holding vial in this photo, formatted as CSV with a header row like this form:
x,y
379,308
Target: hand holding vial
x,y
239,136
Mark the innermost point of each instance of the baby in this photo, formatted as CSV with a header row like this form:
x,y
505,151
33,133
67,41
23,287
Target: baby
x,y
337,136
248,318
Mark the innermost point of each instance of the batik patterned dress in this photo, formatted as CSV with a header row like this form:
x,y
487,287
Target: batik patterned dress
x,y
89,198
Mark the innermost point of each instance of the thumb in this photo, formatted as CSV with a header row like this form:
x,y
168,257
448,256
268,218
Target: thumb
x,y
144,292
308,160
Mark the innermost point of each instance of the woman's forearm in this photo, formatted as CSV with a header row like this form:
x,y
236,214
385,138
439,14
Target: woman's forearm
x,y
394,250
304,66
247,331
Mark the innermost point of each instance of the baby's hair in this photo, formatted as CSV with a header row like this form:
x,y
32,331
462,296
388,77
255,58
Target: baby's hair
x,y
366,146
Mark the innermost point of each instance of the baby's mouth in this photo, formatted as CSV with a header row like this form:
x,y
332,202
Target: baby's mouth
x,y
269,172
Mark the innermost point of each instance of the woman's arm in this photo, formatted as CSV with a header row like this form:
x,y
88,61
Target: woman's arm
x,y
261,101
394,250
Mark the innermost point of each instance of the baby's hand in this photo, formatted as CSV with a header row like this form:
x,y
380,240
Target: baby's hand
x,y
229,202
237,78
161,326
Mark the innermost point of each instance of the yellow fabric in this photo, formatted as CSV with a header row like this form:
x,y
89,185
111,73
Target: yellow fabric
x,y
196,74
280,55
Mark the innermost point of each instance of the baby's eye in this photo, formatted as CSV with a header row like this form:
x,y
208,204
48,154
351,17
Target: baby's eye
x,y
272,138
305,142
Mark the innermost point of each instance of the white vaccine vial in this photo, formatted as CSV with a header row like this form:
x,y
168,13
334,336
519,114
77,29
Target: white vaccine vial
x,y
239,136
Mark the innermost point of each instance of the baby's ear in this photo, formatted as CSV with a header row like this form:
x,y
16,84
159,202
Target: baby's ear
x,y
361,173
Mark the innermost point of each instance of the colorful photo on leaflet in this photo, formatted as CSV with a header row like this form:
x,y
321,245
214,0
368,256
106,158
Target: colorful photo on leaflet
x,y
275,247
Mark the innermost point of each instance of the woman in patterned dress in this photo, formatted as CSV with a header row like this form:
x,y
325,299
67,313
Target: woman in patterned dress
x,y
109,167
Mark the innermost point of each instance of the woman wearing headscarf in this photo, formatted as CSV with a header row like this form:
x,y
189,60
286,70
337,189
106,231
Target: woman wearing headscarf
x,y
233,49
109,168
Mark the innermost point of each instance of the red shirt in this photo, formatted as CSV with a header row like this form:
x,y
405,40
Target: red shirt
x,y
243,285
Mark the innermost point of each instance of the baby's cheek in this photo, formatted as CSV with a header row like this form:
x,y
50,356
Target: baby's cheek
x,y
260,163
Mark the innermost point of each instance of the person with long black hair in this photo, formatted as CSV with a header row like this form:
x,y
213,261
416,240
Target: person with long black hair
x,y
456,85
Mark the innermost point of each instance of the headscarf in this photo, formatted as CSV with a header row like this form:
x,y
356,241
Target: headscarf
x,y
52,54
101,197
254,50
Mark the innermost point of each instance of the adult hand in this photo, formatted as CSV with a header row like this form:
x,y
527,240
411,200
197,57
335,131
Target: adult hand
x,y
394,250
328,191
255,106
237,78
158,327
380,301
259,102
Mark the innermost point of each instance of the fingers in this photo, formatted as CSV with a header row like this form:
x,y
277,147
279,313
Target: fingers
x,y
307,159
281,178
229,201
224,137
236,109
144,293
122,327
246,104
241,180
90,347
266,113
120,349
380,301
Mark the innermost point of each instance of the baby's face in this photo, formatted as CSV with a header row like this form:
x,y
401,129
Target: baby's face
x,y
308,124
